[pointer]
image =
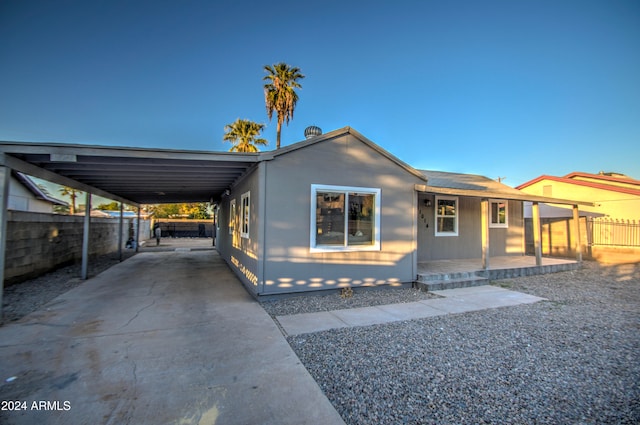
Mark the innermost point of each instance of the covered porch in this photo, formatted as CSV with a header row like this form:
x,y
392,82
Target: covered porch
x,y
448,274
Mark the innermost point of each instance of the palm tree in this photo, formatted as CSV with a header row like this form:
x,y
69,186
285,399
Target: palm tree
x,y
72,193
279,93
244,135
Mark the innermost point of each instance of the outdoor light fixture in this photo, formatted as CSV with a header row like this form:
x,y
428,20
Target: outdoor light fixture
x,y
427,202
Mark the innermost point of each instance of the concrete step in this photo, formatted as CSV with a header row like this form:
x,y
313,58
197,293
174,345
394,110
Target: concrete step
x,y
436,277
442,284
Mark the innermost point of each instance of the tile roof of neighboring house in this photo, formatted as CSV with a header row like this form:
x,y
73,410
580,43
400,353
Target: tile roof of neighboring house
x,y
571,179
37,192
445,183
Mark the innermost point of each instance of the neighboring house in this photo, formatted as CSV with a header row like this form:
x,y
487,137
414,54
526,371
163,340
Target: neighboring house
x,y
611,227
25,195
338,210
615,195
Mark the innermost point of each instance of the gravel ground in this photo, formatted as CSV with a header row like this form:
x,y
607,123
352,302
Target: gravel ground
x,y
26,297
574,359
364,297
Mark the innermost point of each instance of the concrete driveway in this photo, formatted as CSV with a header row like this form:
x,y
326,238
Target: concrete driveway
x,y
166,337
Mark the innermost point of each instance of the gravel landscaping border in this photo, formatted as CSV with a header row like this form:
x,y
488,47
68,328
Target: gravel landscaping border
x,y
573,359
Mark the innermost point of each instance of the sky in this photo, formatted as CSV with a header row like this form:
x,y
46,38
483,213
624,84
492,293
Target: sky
x,y
505,89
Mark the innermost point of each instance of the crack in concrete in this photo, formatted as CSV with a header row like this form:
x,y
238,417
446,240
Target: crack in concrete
x,y
137,314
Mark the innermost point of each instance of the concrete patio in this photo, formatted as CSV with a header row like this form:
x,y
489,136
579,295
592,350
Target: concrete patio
x,y
450,274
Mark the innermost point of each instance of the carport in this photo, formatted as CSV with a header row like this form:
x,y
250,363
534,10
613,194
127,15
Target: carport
x,y
133,176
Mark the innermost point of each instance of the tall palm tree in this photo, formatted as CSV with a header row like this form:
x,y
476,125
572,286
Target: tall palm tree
x,y
244,135
279,93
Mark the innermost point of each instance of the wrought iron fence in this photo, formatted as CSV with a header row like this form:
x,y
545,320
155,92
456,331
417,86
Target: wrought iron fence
x,y
604,231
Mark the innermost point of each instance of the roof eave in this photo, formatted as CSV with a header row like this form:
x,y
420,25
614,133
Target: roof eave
x,y
499,195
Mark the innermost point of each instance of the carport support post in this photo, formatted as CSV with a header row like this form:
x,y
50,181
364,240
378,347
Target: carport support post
x,y
138,231
484,206
576,232
120,226
537,236
5,178
85,236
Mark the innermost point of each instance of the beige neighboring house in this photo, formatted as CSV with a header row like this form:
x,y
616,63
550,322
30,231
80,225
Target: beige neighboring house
x,y
616,196
25,195
611,228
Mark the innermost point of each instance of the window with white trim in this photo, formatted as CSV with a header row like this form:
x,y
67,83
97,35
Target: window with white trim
x,y
344,218
245,214
446,216
498,213
232,216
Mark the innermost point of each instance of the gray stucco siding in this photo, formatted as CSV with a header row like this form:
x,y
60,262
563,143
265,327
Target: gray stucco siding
x,y
290,266
239,252
468,243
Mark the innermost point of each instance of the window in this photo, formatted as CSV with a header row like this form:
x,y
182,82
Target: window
x,y
498,214
245,214
232,216
345,218
446,216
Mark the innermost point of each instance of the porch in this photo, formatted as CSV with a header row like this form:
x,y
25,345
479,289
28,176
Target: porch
x,y
449,274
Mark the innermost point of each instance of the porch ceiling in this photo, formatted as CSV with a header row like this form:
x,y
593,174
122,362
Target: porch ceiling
x,y
131,175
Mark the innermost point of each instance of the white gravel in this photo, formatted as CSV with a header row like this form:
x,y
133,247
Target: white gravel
x,y
574,359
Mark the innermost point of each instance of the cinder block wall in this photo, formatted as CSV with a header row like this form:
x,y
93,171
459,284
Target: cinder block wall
x,y
38,243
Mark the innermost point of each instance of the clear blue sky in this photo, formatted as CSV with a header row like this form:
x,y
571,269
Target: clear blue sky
x,y
507,88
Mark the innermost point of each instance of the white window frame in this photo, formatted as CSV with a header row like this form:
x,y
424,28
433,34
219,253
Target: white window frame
x,y
232,216
506,213
245,214
375,246
455,217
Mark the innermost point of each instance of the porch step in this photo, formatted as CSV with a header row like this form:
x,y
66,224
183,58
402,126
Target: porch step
x,y
438,283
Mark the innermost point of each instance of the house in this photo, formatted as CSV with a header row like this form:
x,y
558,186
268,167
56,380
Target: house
x,y
610,228
25,195
615,195
337,210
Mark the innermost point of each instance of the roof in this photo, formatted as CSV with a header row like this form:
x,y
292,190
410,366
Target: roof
x,y
131,175
154,176
338,133
607,182
35,189
473,185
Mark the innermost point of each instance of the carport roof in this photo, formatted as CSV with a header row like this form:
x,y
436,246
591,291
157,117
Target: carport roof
x,y
131,175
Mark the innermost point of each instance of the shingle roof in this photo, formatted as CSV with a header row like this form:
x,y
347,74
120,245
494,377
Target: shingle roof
x,y
474,185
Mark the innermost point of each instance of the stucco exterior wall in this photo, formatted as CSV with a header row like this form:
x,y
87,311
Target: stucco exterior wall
x,y
239,252
468,243
289,264
21,199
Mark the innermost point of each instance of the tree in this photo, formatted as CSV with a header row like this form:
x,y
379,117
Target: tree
x,y
72,194
279,93
244,135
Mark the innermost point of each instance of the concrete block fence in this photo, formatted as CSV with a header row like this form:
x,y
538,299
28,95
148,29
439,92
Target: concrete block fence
x,y
38,242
